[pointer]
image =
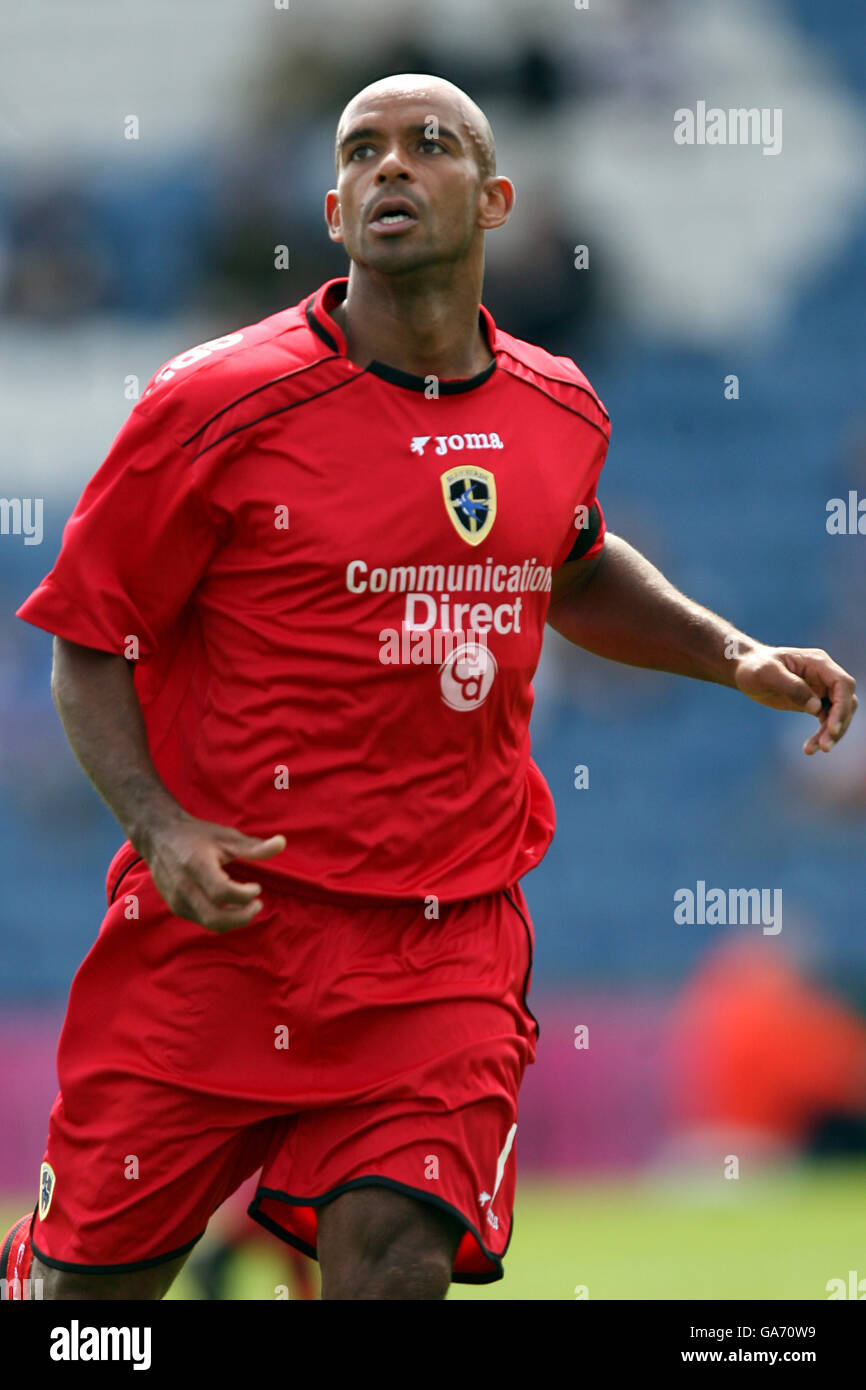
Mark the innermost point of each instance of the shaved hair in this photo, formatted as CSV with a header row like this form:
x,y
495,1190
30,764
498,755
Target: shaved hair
x,y
416,86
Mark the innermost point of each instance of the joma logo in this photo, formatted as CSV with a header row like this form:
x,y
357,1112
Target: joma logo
x,y
456,442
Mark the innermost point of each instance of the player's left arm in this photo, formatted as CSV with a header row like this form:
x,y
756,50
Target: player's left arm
x,y
619,606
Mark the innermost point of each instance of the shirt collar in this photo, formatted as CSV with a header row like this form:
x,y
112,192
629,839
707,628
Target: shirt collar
x,y
318,311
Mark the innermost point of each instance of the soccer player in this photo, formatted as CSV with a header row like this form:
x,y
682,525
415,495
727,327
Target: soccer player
x,y
316,950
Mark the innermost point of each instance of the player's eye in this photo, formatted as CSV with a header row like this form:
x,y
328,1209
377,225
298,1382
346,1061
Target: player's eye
x,y
432,144
359,149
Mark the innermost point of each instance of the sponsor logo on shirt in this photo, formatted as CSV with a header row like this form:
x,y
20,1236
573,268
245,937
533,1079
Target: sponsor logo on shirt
x,y
438,630
466,677
456,442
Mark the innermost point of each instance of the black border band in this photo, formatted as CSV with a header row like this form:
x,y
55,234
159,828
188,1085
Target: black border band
x,y
374,1180
587,537
133,1268
411,382
318,328
131,865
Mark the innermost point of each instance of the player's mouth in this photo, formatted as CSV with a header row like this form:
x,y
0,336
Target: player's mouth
x,y
392,216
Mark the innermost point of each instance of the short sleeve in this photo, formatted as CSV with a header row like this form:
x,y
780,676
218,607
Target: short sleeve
x,y
585,536
135,547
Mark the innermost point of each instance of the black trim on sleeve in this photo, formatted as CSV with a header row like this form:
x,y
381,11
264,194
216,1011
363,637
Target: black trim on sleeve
x,y
124,872
587,537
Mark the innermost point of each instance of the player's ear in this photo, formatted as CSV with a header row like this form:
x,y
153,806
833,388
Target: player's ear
x,y
332,215
495,202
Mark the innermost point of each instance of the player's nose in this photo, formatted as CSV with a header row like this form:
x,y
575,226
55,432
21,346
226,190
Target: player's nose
x,y
393,165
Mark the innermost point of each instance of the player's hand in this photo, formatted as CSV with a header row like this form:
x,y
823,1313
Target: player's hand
x,y
186,861
803,679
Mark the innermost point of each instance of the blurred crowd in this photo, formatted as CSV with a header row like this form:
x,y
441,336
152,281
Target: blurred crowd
x,y
201,233
728,498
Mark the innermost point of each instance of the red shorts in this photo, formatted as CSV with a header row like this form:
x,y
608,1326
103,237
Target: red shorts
x,y
330,1044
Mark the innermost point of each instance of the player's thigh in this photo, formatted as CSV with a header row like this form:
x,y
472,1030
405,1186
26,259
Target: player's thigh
x,y
374,1241
141,1284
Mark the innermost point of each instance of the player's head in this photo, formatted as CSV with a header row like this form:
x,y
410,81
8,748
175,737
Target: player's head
x,y
418,141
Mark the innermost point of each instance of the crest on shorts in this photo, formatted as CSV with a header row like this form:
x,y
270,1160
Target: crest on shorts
x,y
46,1189
470,501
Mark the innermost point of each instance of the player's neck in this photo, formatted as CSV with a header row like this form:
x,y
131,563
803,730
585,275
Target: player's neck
x,y
428,330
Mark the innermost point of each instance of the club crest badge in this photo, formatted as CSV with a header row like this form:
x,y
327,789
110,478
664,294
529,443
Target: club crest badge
x,y
470,501
46,1189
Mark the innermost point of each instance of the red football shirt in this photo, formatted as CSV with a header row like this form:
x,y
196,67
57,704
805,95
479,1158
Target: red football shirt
x,y
282,540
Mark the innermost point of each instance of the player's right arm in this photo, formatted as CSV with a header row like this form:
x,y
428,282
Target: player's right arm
x,y
99,709
138,543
